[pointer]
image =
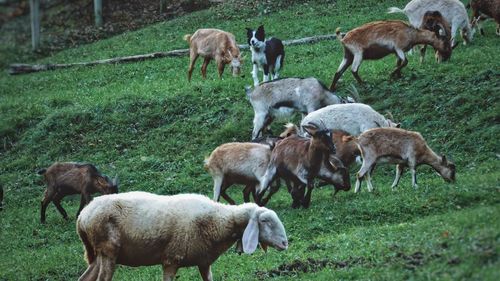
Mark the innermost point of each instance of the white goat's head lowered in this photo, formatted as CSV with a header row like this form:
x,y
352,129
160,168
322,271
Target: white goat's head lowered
x,y
266,228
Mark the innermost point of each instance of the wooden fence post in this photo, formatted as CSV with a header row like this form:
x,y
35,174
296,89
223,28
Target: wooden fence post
x,y
98,13
35,24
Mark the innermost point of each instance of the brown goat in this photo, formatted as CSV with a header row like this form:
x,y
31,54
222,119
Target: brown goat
x,y
482,9
435,22
401,147
376,40
299,159
213,44
67,178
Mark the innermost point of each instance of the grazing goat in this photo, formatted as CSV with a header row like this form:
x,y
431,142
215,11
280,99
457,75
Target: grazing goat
x,y
375,40
141,229
353,118
67,178
481,9
213,44
401,147
434,21
280,98
300,160
453,12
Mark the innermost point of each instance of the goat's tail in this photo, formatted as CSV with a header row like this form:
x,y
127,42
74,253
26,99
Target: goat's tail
x,y
90,254
393,10
41,171
187,38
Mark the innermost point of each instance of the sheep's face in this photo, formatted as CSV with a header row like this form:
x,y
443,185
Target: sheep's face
x,y
271,231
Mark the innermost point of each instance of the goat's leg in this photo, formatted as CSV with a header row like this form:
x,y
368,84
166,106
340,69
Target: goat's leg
x,y
275,187
454,29
358,58
414,177
297,194
57,203
402,62
369,178
498,29
365,168
307,199
84,200
266,180
346,62
220,67
91,273
206,61
217,187
247,191
192,60
277,67
227,198
422,53
169,272
106,268
205,272
258,124
47,198
399,171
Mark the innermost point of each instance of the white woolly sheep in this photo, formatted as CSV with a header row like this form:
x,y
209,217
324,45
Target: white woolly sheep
x,y
140,229
353,118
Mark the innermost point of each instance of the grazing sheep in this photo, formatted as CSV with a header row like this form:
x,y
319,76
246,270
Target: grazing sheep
x,y
280,98
353,118
213,44
401,147
67,178
375,40
300,160
481,9
140,229
453,12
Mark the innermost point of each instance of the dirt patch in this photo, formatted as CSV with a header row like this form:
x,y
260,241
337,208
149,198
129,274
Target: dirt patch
x,y
309,265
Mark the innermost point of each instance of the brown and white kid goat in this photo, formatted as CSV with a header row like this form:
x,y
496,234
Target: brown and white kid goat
x,y
435,22
401,147
67,178
213,44
300,160
376,40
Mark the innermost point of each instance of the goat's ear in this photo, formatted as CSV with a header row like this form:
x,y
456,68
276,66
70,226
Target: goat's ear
x,y
102,181
398,125
250,238
347,138
260,34
441,30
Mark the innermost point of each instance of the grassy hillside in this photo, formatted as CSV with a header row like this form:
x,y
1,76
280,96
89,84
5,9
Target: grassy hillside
x,y
145,123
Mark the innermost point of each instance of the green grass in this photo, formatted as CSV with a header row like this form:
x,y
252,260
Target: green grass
x,y
145,123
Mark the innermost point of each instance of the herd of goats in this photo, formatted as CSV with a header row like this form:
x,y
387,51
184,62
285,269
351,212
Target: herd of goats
x,y
139,228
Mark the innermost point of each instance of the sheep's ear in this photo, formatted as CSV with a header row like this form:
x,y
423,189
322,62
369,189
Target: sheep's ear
x,y
250,238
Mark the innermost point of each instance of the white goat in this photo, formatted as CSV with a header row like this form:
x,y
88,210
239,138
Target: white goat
x,y
284,96
452,11
139,228
401,147
353,118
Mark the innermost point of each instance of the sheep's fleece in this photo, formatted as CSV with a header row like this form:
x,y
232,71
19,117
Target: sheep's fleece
x,y
139,228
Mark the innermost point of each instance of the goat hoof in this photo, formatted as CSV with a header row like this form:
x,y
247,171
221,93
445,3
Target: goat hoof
x,y
295,205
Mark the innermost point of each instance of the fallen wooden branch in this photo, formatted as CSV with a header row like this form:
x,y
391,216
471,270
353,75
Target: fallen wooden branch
x,y
19,68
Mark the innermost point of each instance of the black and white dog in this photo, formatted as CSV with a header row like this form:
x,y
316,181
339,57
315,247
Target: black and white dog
x,y
267,55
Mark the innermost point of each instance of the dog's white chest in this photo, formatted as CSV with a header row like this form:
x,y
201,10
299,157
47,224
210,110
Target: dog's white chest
x,y
259,58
